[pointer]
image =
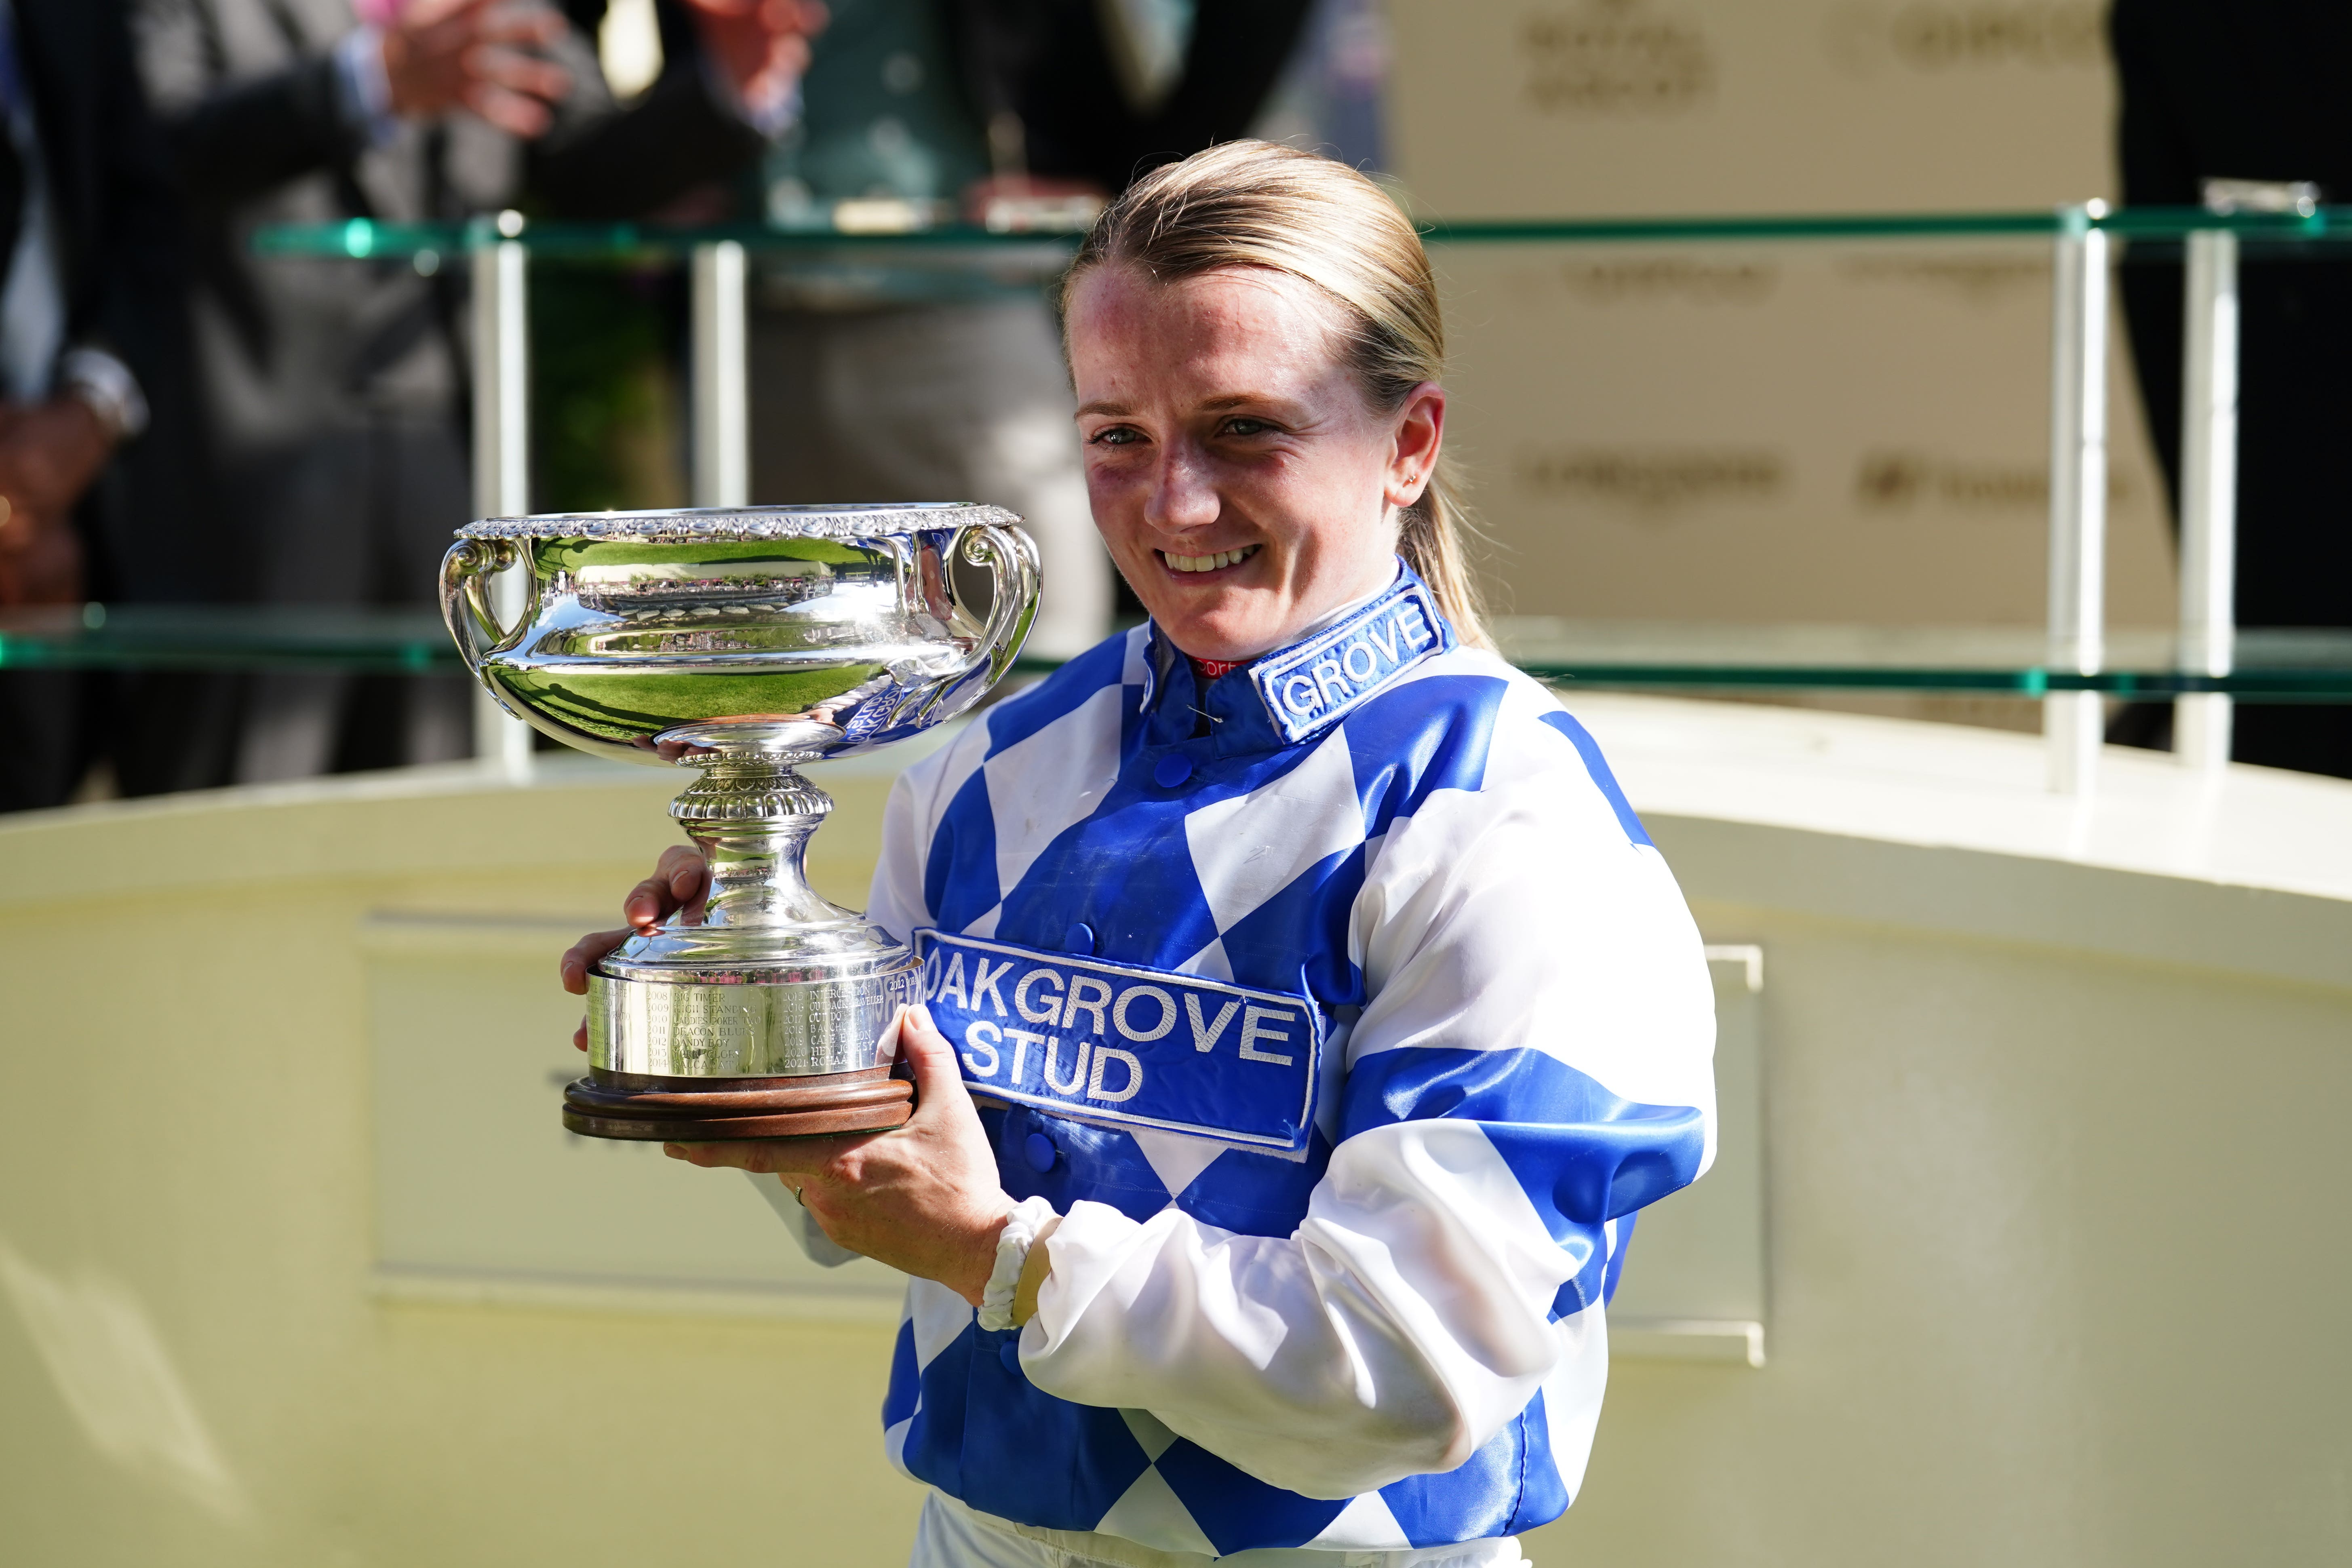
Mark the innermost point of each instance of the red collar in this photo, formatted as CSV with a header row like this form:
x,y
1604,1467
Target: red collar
x,y
1206,670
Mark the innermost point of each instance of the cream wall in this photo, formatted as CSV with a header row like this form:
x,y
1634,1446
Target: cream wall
x,y
2060,1262
2051,1174
199,1368
1825,432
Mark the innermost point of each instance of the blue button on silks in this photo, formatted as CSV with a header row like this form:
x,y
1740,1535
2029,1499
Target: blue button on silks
x,y
1041,1152
1079,938
1171,770
1009,1352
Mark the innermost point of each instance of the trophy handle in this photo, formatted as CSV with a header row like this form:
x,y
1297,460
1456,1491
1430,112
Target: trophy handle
x,y
1010,557
466,573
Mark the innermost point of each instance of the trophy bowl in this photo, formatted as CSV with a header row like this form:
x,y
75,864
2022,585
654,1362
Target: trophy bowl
x,y
743,642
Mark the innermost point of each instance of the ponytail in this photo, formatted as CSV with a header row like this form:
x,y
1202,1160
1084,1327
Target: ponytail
x,y
1430,536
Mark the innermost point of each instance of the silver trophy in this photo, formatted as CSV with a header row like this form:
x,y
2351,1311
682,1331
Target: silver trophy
x,y
744,642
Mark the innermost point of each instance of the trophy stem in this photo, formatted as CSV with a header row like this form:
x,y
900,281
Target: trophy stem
x,y
772,1015
751,817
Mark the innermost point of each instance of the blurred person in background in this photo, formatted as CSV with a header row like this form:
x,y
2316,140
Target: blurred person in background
x,y
338,389
1107,90
2252,90
948,381
97,459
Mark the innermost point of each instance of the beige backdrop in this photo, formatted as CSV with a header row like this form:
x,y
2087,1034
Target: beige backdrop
x,y
1822,432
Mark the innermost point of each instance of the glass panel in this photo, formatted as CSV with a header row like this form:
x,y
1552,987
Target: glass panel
x,y
364,239
215,636
2272,665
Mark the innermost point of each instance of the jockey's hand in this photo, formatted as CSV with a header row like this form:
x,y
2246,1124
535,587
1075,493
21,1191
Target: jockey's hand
x,y
923,1198
681,881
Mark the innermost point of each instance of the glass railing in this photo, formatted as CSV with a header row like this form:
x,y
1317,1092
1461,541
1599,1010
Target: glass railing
x,y
226,637
2067,661
2270,665
363,239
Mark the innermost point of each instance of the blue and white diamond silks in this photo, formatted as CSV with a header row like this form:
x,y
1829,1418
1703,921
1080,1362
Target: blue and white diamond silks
x,y
1389,1331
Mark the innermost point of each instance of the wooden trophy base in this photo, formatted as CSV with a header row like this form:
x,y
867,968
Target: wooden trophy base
x,y
701,1110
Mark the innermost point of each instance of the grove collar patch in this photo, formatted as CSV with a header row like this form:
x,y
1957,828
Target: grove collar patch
x,y
1314,684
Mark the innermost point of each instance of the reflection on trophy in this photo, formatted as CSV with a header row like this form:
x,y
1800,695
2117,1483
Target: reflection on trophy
x,y
744,642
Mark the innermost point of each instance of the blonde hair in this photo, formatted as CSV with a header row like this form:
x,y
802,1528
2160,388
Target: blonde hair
x,y
1255,204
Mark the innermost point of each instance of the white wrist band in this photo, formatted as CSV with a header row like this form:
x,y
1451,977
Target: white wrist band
x,y
106,384
1021,1228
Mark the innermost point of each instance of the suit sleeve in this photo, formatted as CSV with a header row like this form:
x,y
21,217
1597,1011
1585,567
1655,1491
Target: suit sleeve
x,y
602,164
157,532
245,140
1534,1063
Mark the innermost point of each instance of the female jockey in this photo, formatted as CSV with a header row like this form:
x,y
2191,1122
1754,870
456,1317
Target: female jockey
x,y
1308,1012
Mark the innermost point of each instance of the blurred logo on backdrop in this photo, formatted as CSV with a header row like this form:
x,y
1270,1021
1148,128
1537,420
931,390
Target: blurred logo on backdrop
x,y
1866,38
1971,279
1647,279
1654,483
1616,57
1890,481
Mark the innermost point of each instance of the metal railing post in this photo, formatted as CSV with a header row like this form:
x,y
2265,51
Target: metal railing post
x,y
2074,722
2208,496
501,452
721,407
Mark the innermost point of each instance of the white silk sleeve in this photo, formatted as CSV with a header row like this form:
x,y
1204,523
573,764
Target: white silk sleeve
x,y
1391,1334
1514,948
799,1224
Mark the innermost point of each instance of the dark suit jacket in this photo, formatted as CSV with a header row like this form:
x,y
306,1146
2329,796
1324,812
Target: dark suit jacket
x,y
674,139
148,527
249,139
2255,90
118,233
1049,63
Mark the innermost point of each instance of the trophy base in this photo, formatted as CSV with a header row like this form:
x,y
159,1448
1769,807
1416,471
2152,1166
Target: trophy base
x,y
647,1109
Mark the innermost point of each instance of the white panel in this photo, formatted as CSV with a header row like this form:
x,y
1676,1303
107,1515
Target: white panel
x,y
1247,848
1151,1512
482,1196
1365,1523
1175,1159
1695,1282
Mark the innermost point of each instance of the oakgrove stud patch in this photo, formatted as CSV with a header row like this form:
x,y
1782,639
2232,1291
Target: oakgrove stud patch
x,y
1126,1046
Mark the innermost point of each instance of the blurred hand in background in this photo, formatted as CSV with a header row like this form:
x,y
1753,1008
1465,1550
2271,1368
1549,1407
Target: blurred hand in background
x,y
445,55
49,454
762,45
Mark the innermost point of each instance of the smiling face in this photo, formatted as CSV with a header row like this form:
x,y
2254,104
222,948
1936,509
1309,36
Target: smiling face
x,y
1244,484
